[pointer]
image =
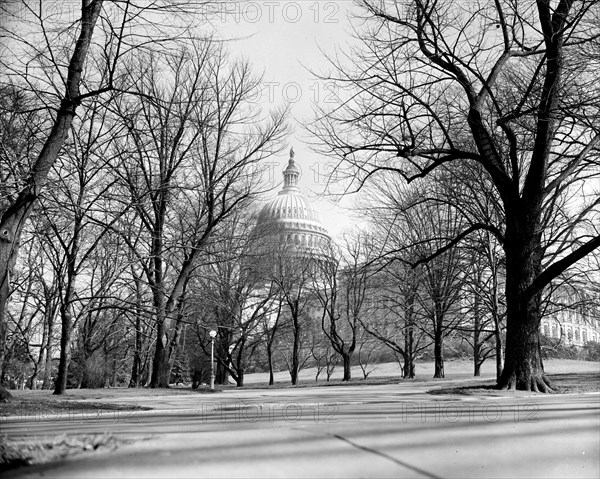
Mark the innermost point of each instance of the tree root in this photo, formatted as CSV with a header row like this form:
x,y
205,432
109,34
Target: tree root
x,y
542,385
538,384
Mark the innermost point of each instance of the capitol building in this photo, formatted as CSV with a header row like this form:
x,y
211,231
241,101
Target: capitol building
x,y
289,231
290,223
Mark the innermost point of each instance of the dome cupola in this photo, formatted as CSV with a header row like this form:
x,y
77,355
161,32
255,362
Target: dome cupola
x,y
290,175
290,218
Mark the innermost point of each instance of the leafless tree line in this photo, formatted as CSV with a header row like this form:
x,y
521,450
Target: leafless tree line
x,y
503,89
128,140
131,159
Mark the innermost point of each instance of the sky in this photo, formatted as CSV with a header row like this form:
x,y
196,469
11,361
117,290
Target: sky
x,y
286,41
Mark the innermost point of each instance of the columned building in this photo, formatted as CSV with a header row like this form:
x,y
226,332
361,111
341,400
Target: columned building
x,y
576,318
289,223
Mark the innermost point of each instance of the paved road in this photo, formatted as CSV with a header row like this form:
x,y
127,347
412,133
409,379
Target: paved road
x,y
352,431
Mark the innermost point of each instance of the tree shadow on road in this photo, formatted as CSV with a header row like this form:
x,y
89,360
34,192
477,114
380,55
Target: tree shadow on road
x,y
564,384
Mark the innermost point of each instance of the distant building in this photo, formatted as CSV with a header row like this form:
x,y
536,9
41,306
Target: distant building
x,y
289,221
574,319
289,228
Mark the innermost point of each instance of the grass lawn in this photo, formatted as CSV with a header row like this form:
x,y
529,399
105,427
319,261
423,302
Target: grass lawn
x,y
569,376
564,384
31,403
455,369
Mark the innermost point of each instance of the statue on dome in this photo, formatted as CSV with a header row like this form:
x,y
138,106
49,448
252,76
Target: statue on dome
x,y
292,153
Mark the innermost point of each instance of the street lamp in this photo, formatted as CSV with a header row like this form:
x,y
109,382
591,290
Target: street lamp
x,y
212,335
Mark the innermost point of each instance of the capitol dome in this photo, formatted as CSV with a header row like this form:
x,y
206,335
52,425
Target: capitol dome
x,y
290,220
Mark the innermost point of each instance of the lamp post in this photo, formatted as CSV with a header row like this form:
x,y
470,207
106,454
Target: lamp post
x,y
212,335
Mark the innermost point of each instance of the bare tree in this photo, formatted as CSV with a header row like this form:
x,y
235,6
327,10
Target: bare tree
x,y
55,57
293,272
272,324
368,346
326,358
142,323
415,222
393,315
341,286
80,216
480,304
238,303
100,323
189,160
443,277
510,86
25,321
470,192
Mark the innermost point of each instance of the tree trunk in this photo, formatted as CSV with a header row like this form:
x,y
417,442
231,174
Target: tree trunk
x,y
497,327
239,363
146,375
136,367
87,379
65,351
65,308
408,369
271,340
477,359
477,333
270,361
177,340
173,349
134,382
33,380
8,256
40,364
47,384
498,346
523,368
222,343
67,321
438,344
239,379
221,375
160,363
294,371
115,370
346,357
329,367
438,353
295,351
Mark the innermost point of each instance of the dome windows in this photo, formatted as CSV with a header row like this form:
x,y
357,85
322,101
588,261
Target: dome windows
x,y
290,218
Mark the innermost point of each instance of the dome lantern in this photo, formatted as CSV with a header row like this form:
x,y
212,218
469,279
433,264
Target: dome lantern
x,y
290,175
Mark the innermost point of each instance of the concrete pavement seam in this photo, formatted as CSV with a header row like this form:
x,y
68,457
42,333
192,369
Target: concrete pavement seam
x,y
385,456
